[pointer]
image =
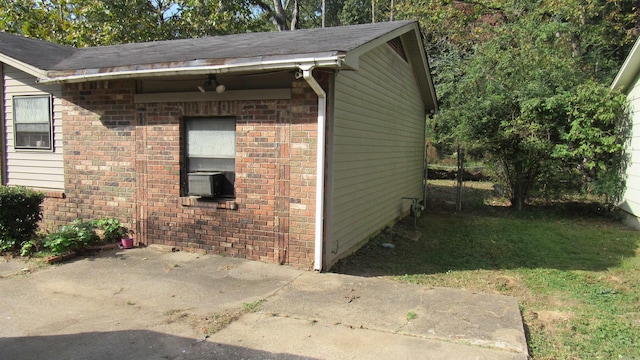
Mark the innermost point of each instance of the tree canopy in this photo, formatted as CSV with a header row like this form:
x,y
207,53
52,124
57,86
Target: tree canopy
x,y
526,86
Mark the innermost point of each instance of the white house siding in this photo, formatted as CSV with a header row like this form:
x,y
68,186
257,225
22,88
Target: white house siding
x,y
631,199
377,159
41,169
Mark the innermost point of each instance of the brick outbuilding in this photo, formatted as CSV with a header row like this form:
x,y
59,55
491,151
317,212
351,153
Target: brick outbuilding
x,y
291,147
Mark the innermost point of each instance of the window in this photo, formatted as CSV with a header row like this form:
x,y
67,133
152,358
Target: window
x,y
211,147
32,122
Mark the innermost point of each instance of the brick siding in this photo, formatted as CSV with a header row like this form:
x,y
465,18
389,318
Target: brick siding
x,y
125,160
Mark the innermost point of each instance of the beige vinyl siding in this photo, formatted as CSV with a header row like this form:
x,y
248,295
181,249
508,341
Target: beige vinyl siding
x,y
631,198
377,153
41,169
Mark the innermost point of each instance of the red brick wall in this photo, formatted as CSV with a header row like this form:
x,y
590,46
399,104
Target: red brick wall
x,y
98,129
124,160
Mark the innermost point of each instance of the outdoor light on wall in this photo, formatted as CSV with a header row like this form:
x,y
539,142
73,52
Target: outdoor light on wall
x,y
210,84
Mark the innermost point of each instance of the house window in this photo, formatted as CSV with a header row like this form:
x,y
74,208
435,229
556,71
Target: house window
x,y
32,122
211,149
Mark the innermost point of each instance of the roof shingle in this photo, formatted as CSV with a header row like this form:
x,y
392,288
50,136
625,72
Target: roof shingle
x,y
40,54
249,45
48,56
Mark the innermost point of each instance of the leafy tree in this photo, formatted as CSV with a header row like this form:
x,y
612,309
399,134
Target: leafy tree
x,y
93,22
594,138
459,24
603,31
355,12
518,97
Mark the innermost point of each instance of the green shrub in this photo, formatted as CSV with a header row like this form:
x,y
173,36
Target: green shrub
x,y
20,213
112,229
72,237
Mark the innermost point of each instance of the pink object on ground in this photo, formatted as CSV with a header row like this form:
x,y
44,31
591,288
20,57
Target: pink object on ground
x,y
127,243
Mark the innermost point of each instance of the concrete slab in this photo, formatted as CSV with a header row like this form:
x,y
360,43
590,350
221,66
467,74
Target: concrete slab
x,y
321,340
153,304
12,267
383,305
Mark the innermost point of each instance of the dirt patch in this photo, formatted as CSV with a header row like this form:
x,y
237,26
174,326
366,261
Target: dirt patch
x,y
551,318
203,325
507,282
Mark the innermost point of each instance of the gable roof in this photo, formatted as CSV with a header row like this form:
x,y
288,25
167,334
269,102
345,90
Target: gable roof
x,y
32,55
215,49
334,47
629,70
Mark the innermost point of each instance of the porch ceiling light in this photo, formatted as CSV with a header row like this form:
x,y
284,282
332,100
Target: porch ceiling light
x,y
209,83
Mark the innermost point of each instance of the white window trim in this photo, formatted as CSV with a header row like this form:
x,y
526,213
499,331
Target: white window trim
x,y
17,147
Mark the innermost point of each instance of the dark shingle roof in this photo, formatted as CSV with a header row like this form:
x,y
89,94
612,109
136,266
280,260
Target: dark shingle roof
x,y
334,40
286,43
273,50
37,53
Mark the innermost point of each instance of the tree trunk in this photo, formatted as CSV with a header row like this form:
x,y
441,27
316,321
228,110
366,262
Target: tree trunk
x,y
279,16
295,15
373,11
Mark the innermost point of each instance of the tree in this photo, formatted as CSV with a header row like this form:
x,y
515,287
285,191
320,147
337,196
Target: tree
x,y
518,97
594,138
93,22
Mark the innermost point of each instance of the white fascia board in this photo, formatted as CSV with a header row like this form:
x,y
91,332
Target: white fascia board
x,y
334,61
24,67
629,70
423,61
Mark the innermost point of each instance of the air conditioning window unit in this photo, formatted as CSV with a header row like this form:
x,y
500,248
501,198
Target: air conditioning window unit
x,y
206,184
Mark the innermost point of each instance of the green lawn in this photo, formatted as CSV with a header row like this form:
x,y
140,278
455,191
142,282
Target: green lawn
x,y
576,273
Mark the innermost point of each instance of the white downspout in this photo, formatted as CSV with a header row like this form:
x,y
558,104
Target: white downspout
x,y
322,110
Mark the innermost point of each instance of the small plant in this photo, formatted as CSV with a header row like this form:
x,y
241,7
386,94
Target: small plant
x,y
72,237
29,247
112,229
411,316
253,306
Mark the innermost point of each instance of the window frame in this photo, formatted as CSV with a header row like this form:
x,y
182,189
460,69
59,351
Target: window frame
x,y
16,146
229,185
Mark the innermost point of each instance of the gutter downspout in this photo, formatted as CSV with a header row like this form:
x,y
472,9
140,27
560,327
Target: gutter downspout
x,y
425,164
3,126
322,110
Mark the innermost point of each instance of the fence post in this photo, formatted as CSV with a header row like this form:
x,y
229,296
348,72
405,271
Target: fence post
x,y
460,177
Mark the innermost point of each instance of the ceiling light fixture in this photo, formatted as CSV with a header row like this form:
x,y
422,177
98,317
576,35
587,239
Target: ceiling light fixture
x,y
209,84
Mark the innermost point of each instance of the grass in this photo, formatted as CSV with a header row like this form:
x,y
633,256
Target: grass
x,y
204,325
253,306
575,272
210,324
411,316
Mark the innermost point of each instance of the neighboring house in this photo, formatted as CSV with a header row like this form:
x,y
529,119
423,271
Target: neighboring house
x,y
308,149
628,81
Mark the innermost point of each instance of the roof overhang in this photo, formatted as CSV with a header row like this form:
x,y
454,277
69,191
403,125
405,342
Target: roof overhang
x,y
332,59
629,70
199,67
22,66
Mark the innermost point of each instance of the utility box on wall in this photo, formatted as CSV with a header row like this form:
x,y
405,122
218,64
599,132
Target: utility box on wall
x,y
206,184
